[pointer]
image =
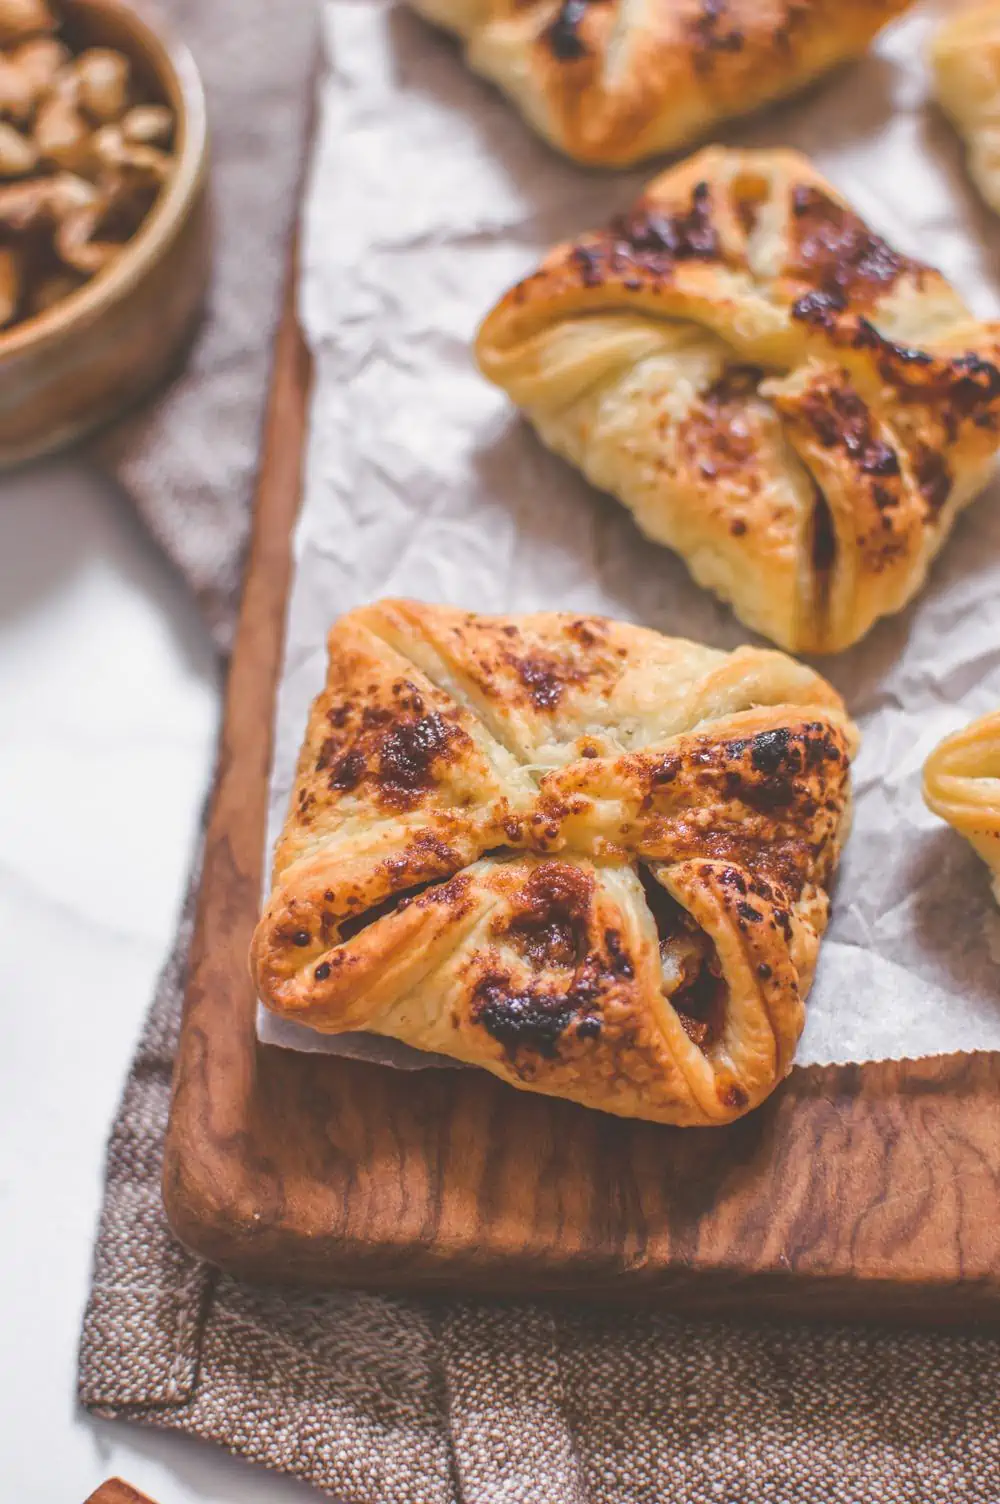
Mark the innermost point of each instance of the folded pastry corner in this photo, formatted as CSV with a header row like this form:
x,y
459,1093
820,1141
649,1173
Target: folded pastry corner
x,y
611,84
962,785
586,857
774,392
965,65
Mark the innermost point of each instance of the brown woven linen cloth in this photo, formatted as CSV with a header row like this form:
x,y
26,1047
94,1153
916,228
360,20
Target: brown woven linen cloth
x,y
397,1401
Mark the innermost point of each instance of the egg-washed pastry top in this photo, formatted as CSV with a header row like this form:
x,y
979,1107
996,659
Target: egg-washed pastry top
x,y
611,83
965,63
775,392
962,785
586,857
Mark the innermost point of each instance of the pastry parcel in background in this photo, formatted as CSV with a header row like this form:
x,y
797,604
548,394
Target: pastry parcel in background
x,y
611,83
965,61
589,858
775,392
962,785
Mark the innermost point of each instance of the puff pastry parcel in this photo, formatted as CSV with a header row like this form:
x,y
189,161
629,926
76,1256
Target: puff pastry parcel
x,y
962,785
610,83
587,857
965,61
795,407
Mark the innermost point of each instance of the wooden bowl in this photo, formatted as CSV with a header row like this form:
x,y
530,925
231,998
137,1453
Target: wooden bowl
x,y
71,368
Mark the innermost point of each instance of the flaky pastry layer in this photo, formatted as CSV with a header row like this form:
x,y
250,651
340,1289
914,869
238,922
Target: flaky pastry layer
x,y
962,785
965,64
610,83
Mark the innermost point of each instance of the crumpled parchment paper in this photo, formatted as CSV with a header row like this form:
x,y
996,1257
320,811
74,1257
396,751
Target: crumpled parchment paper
x,y
429,196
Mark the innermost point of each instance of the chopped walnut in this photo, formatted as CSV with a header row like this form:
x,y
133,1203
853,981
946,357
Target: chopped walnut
x,y
17,92
148,125
37,64
102,78
24,18
61,133
682,957
84,154
18,154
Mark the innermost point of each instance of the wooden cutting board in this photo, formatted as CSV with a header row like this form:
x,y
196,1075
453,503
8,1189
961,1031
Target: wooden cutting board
x,y
868,1191
117,1491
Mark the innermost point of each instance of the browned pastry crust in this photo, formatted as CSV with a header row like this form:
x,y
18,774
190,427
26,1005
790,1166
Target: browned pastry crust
x,y
962,785
610,84
587,857
965,65
795,407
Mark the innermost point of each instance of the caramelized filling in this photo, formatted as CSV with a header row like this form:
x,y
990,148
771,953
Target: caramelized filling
x,y
822,553
750,192
355,923
692,973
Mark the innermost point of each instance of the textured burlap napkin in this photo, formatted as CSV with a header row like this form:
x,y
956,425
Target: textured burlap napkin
x,y
394,1401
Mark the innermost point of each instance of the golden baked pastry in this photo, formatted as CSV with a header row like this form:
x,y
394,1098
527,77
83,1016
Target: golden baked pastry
x,y
610,85
796,408
965,63
587,857
962,785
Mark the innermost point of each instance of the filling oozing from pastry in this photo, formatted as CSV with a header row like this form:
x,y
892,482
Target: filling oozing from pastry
x,y
749,191
551,935
692,972
822,553
542,929
355,923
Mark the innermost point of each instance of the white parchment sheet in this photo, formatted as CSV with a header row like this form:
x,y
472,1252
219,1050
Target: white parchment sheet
x,y
428,198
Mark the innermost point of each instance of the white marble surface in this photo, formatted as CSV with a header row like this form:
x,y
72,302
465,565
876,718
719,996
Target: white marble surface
x,y
108,709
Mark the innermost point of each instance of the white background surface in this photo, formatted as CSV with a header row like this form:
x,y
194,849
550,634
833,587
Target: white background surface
x,y
108,708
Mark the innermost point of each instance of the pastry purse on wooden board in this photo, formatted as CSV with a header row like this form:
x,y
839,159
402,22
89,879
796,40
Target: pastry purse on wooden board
x,y
587,857
610,83
796,408
962,785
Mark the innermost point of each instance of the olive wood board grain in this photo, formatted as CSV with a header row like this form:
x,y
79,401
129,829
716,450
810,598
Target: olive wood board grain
x,y
117,1491
862,1191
